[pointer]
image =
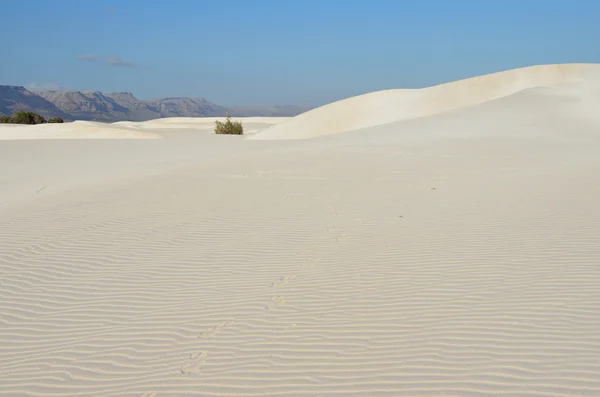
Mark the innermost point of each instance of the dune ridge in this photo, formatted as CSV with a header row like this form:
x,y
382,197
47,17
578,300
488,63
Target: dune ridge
x,y
382,107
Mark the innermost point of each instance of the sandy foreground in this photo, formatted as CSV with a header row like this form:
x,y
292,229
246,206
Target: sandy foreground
x,y
451,252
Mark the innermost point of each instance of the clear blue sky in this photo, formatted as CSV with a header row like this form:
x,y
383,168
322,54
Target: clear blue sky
x,y
309,52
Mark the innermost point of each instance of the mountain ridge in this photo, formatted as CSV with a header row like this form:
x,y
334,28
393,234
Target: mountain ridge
x,y
93,105
16,98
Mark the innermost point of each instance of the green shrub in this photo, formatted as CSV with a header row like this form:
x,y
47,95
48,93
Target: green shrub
x,y
56,120
5,119
229,127
37,119
23,117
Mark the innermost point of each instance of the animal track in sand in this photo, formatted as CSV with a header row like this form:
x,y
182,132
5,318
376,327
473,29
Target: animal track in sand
x,y
215,329
198,355
195,365
282,281
276,301
280,300
310,263
342,237
40,189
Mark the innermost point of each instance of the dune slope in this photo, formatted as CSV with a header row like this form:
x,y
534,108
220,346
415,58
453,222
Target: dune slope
x,y
384,107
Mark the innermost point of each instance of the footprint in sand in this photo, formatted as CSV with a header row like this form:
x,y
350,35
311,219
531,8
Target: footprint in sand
x,y
215,329
197,355
282,281
342,237
310,263
196,363
276,301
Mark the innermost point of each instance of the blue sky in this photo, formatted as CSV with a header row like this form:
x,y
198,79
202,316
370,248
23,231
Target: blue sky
x,y
308,52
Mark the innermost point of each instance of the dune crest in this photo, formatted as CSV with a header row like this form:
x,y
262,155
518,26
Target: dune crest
x,y
382,107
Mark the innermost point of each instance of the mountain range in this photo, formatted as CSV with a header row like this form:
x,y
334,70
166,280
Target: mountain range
x,y
123,106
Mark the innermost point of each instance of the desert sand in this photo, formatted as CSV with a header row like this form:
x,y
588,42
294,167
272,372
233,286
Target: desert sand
x,y
442,241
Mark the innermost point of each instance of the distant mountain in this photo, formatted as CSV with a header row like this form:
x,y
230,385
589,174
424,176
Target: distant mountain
x,y
138,110
123,106
86,105
186,107
14,98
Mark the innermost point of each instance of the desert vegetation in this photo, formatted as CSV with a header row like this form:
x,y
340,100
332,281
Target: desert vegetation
x,y
23,117
229,127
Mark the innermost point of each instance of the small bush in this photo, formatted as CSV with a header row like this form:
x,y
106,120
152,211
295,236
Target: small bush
x,y
229,127
23,117
37,119
5,119
56,120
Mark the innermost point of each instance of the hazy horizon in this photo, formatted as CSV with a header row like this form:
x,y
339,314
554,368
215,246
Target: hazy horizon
x,y
271,52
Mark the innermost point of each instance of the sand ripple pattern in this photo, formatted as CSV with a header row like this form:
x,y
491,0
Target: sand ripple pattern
x,y
417,275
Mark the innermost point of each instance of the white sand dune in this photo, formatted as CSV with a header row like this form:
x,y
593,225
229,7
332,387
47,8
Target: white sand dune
x,y
384,107
75,130
455,254
125,129
195,123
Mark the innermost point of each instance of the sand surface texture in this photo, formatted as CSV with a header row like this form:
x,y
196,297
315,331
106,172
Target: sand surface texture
x,y
454,253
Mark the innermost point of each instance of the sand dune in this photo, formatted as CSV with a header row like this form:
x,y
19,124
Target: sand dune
x,y
384,107
205,123
455,254
75,130
125,129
